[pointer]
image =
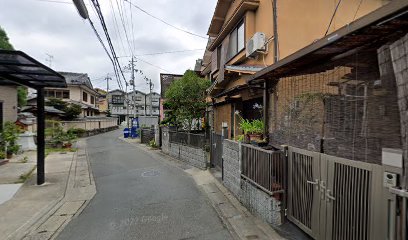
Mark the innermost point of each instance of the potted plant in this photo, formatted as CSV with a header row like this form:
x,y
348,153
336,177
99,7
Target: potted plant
x,y
253,129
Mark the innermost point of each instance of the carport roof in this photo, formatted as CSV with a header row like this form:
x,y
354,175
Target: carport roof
x,y
18,67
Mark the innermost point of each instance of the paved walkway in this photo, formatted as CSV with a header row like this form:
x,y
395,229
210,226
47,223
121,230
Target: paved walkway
x,y
39,212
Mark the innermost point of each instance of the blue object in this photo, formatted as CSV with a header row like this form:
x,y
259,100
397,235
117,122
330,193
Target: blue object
x,y
133,132
126,133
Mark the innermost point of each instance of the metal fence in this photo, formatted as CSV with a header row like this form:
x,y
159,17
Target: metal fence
x,y
190,139
265,169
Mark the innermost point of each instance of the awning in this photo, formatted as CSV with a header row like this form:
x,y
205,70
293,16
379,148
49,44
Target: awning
x,y
387,23
243,69
18,67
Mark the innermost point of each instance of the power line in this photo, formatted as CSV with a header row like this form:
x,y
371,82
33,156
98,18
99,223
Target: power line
x,y
116,27
123,25
163,21
334,14
151,64
161,53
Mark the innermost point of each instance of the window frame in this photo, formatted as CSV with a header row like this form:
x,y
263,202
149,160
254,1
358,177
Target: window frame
x,y
84,96
234,52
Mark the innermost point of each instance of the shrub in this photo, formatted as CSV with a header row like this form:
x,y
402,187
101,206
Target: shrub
x,y
78,132
153,144
2,155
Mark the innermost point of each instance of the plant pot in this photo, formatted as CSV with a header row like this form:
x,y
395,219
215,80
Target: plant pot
x,y
257,137
9,155
67,145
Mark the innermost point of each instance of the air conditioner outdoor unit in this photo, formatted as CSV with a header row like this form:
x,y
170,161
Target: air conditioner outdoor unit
x,y
256,43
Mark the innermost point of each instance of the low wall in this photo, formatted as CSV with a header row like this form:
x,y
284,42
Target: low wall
x,y
196,157
90,124
254,199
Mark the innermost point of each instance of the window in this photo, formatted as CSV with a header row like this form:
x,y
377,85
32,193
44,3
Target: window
x,y
118,99
58,94
237,40
84,97
92,99
65,94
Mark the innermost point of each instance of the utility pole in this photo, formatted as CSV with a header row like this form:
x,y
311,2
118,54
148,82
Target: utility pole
x,y
134,89
107,91
49,59
151,85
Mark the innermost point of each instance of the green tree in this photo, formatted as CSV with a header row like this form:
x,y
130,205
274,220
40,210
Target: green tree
x,y
22,93
71,110
21,90
186,98
4,40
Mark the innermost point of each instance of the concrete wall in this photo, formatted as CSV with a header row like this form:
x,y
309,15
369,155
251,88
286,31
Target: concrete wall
x,y
8,95
90,124
255,200
165,147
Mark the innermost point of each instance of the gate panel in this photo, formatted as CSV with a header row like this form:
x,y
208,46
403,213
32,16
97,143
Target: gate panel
x,y
216,150
303,185
349,198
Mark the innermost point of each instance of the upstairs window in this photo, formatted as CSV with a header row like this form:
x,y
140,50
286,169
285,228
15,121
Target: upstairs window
x,y
92,99
84,97
236,40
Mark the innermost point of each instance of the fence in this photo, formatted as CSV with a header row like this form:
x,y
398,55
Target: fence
x,y
263,168
190,139
86,124
147,135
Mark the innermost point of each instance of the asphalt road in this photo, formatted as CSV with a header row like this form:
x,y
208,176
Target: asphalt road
x,y
141,197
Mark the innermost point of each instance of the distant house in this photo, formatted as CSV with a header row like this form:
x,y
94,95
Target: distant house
x,y
165,82
79,91
102,101
133,104
8,103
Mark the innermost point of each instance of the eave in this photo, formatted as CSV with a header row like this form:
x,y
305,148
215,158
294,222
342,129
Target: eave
x,y
244,6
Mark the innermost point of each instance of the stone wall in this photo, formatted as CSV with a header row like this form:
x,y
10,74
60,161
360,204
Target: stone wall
x,y
261,203
232,173
254,199
193,156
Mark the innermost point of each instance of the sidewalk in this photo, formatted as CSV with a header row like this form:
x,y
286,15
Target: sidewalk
x,y
40,212
239,221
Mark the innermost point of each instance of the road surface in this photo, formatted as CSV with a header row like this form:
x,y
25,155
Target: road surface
x,y
141,197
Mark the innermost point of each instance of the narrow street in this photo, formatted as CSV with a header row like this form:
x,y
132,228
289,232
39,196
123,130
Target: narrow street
x,y
140,197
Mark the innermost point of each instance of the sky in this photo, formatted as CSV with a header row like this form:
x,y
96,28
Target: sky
x,y
52,32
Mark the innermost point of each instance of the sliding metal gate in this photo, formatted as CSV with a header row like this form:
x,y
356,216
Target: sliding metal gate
x,y
334,198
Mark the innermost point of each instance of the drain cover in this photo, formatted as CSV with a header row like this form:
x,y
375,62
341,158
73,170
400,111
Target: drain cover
x,y
150,173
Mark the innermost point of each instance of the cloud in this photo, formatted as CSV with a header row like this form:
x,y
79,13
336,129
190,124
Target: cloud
x,y
40,28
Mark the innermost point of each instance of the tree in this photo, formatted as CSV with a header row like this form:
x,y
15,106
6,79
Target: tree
x,y
186,98
21,90
4,40
71,110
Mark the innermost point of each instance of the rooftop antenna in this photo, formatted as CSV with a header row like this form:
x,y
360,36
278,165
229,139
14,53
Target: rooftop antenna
x,y
49,59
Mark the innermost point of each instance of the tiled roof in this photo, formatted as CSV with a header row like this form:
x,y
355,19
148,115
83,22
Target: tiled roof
x,y
77,79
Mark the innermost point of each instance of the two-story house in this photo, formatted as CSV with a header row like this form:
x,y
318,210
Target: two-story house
x,y
8,103
79,91
247,35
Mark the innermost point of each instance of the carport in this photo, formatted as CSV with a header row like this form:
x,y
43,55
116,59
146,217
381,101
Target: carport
x,y
16,67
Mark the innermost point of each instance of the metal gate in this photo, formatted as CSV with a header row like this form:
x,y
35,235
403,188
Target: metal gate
x,y
334,198
216,150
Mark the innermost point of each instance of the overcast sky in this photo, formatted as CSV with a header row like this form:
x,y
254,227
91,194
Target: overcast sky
x,y
41,27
